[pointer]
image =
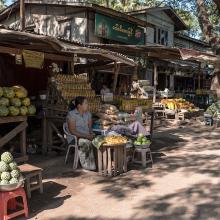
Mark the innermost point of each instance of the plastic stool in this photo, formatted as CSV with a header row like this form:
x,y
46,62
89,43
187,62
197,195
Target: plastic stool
x,y
8,201
143,152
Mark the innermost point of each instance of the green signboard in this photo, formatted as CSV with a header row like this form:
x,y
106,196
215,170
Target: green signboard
x,y
113,29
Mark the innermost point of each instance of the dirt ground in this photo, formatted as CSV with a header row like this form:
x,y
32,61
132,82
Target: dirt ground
x,y
183,184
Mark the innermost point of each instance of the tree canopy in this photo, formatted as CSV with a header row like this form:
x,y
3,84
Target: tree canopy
x,y
186,9
2,4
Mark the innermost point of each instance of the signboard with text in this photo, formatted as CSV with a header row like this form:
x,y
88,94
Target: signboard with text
x,y
113,29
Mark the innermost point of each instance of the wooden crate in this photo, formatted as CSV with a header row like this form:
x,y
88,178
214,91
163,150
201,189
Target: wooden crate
x,y
112,160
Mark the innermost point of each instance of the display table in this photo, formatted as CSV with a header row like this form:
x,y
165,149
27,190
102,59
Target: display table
x,y
20,129
112,160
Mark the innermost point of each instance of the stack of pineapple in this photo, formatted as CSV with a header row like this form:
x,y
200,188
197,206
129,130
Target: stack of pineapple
x,y
71,86
9,172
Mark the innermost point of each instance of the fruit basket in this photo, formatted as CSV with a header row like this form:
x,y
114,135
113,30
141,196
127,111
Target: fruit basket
x,y
12,187
143,145
142,142
11,177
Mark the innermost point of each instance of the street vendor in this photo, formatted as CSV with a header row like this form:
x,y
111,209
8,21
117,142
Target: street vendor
x,y
105,90
79,123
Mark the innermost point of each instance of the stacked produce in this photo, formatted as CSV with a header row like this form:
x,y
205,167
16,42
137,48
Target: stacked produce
x,y
214,109
14,102
177,104
141,141
99,141
71,86
108,116
9,172
115,140
126,104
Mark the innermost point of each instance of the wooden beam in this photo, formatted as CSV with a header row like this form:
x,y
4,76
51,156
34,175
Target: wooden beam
x,y
9,136
163,56
47,56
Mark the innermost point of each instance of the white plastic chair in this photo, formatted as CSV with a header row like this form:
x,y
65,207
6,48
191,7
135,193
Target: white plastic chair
x,y
75,146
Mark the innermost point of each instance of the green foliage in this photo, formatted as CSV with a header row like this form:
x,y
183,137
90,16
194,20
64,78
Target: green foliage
x,y
186,9
2,4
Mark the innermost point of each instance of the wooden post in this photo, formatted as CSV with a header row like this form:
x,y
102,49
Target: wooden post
x,y
22,15
155,83
23,142
199,78
44,133
116,70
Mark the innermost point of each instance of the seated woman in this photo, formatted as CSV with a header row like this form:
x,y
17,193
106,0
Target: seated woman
x,y
79,123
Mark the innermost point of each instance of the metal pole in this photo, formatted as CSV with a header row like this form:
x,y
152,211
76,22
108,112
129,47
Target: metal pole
x,y
22,15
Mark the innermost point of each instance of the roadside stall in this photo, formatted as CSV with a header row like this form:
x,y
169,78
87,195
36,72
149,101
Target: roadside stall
x,y
169,60
48,56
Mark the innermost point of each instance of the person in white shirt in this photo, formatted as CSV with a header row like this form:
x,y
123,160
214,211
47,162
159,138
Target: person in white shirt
x,y
105,90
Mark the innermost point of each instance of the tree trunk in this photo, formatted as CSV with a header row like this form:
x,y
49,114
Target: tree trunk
x,y
108,3
211,38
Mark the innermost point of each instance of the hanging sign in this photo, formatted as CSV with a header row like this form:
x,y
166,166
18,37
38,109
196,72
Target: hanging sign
x,y
113,29
33,59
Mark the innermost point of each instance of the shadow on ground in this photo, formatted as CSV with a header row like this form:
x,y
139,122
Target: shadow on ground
x,y
198,202
51,198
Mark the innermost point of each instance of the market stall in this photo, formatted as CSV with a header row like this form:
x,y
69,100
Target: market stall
x,y
173,63
15,107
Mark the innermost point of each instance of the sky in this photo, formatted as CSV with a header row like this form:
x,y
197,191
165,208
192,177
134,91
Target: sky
x,y
8,2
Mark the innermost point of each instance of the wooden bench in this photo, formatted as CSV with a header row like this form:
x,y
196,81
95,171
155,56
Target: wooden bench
x,y
31,173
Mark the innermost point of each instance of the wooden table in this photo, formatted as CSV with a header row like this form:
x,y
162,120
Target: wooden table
x,y
112,160
20,129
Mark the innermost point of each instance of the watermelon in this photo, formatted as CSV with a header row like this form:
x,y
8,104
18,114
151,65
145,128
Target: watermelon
x,y
15,102
8,92
13,111
23,110
20,91
26,102
4,101
3,111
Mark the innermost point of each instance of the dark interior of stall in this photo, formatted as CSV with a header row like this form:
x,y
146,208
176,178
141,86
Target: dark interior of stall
x,y
35,81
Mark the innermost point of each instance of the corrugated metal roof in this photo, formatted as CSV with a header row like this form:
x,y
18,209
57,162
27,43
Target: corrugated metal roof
x,y
46,44
78,4
162,52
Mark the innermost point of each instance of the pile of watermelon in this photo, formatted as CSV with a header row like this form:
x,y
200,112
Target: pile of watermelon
x,y
14,102
9,171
